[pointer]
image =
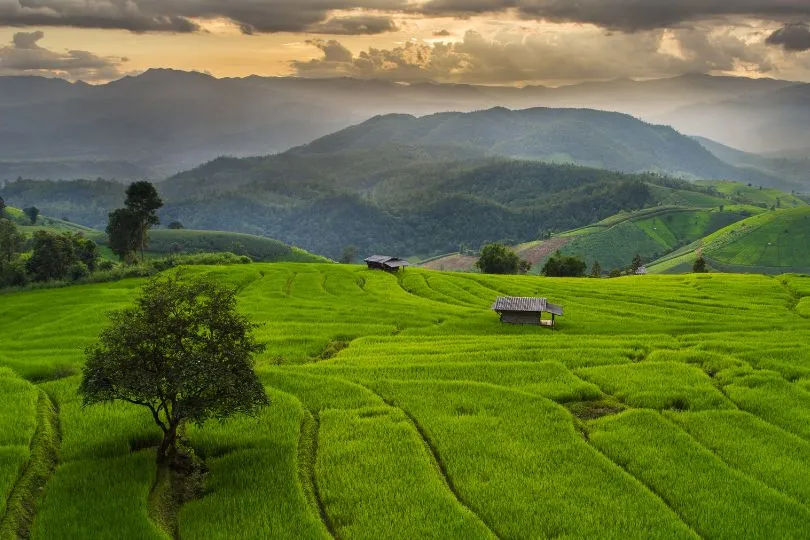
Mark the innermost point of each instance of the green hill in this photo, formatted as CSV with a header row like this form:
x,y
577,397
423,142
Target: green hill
x,y
650,233
599,139
660,407
164,242
407,201
772,242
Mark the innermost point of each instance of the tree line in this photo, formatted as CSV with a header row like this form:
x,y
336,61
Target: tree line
x,y
54,256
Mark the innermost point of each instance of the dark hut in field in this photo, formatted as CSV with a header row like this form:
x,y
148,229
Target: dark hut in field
x,y
521,310
384,262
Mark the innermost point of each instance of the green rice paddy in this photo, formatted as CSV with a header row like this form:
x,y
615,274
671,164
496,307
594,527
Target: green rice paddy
x,y
660,407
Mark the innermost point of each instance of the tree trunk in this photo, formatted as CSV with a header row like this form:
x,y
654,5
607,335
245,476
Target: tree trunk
x,y
168,447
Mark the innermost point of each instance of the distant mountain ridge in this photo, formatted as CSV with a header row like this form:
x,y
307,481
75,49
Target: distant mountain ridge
x,y
165,121
591,138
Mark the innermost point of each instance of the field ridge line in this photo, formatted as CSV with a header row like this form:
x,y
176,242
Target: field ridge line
x,y
307,455
28,490
437,463
641,482
754,479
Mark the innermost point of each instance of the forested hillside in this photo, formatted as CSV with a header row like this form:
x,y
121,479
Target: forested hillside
x,y
325,205
592,138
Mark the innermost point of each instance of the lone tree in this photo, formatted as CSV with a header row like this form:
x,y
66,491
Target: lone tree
x,y
700,266
349,254
498,259
33,214
596,270
637,263
128,227
183,352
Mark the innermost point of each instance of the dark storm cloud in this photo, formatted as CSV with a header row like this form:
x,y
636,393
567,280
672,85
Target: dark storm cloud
x,y
626,15
178,15
793,37
24,55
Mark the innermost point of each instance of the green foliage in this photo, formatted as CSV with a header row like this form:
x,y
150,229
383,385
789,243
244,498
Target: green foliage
x,y
700,265
59,256
122,233
32,212
128,228
52,256
596,270
11,242
183,352
498,259
176,226
560,265
349,255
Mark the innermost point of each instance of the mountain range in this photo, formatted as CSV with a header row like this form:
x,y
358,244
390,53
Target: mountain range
x,y
164,121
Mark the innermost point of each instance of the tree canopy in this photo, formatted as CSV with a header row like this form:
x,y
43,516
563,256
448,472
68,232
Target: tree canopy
x,y
498,259
700,266
183,352
560,265
128,227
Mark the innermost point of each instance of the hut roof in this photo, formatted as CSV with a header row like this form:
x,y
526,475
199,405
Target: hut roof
x,y
526,304
379,258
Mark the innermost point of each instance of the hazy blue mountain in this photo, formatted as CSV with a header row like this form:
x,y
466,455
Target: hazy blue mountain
x,y
165,121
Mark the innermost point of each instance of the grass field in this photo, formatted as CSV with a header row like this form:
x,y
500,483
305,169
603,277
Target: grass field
x,y
771,242
660,407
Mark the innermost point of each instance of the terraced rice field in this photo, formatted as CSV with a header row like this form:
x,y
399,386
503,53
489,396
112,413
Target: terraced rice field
x,y
661,407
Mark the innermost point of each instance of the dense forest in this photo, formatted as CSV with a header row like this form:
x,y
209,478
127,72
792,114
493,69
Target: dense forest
x,y
423,209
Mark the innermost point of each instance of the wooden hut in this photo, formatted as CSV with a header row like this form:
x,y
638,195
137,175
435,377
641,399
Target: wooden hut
x,y
518,310
384,262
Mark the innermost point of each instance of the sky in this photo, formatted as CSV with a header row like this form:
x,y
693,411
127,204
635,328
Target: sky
x,y
492,42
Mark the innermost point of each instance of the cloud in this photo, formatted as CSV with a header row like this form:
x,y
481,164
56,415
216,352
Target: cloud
x,y
513,56
626,15
355,25
181,16
24,56
793,37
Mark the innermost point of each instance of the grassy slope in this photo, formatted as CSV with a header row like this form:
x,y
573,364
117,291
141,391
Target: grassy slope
x,y
754,195
772,242
440,420
166,241
652,233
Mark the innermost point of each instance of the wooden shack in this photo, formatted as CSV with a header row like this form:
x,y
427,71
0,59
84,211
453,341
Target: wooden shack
x,y
384,262
521,310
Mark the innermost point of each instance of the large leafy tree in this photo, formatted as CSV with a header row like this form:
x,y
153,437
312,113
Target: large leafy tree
x,y
498,259
128,227
144,202
122,234
52,257
560,265
11,242
183,352
32,212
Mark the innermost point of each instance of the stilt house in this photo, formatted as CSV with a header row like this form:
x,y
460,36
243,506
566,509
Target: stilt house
x,y
384,262
521,310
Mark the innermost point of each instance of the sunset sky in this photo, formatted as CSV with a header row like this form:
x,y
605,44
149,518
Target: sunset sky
x,y
505,42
